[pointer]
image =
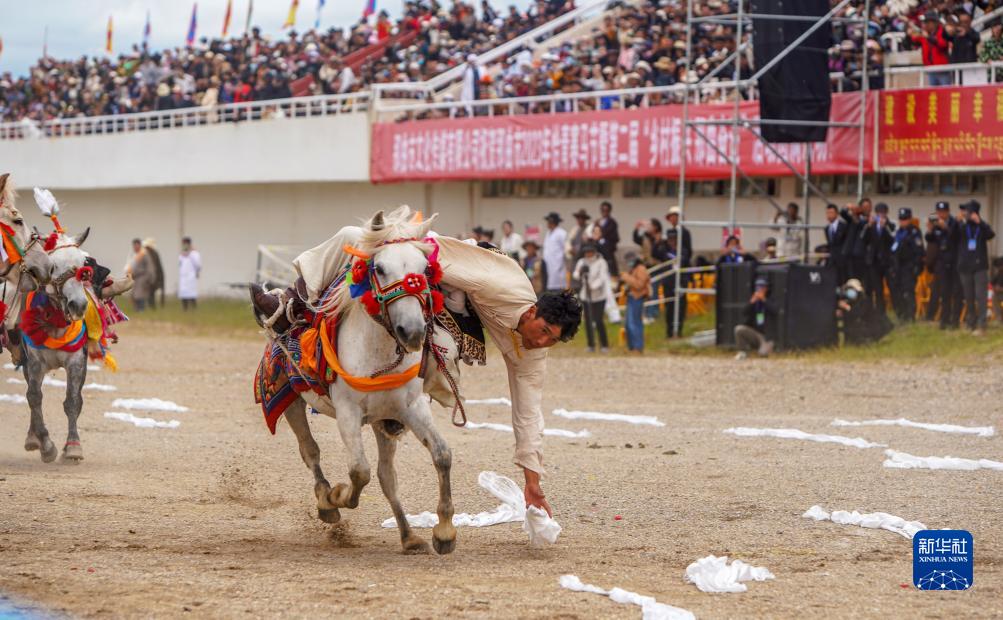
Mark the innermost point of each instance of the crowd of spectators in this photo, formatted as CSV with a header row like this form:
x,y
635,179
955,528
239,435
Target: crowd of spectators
x,y
256,67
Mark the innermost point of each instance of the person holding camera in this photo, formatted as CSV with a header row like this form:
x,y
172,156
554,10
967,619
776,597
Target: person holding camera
x,y
592,272
751,335
859,321
907,263
638,284
879,255
973,265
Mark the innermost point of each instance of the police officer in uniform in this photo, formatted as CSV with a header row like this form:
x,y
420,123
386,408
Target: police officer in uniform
x,y
947,284
879,255
907,262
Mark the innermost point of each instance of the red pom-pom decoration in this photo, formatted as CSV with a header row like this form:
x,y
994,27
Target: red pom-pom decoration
x,y
369,301
434,272
360,269
3,310
414,283
85,274
51,241
438,302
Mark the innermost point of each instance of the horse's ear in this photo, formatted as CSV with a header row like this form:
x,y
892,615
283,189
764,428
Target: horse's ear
x,y
3,182
377,222
79,239
36,231
426,226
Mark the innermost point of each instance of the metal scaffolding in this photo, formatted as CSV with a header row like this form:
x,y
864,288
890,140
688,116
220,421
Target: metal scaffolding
x,y
743,24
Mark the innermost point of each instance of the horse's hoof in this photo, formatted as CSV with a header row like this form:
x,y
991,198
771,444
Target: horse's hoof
x,y
329,515
49,451
73,452
32,443
415,546
442,547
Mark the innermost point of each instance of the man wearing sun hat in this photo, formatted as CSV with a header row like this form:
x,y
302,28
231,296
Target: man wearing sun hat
x,y
684,247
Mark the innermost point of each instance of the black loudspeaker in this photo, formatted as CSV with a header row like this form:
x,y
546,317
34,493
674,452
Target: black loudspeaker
x,y
733,287
811,306
797,87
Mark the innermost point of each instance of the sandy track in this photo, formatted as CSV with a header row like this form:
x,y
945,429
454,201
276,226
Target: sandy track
x,y
217,518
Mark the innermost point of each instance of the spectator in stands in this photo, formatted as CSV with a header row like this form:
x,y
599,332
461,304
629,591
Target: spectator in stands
x,y
533,265
973,264
934,45
759,312
793,244
511,241
835,240
992,48
593,274
553,253
189,271
581,233
610,234
638,284
963,38
471,90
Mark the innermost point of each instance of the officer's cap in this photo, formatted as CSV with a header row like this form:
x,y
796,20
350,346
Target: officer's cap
x,y
905,213
881,208
943,206
972,206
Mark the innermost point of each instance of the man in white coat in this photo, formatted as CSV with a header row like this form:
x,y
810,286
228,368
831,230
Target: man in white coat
x,y
189,269
553,253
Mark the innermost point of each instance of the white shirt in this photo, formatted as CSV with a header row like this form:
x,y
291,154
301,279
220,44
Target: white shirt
x,y
553,257
512,244
346,80
189,268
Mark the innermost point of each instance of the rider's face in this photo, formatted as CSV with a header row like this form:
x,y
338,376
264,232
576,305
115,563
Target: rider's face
x,y
537,333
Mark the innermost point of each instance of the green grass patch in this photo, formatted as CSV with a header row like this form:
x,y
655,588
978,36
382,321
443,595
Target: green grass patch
x,y
214,315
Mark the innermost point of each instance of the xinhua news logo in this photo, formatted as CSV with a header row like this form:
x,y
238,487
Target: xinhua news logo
x,y
942,560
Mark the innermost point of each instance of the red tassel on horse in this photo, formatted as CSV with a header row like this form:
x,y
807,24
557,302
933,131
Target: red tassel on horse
x,y
369,301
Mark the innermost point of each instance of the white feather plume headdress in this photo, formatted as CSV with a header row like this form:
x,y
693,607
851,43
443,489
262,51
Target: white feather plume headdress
x,y
49,206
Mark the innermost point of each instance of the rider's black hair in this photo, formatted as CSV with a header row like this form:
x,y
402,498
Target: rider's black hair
x,y
562,309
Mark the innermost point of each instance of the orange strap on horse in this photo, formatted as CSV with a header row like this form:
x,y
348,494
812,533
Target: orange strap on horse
x,y
363,384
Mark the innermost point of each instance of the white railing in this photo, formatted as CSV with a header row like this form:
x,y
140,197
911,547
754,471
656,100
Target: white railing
x,y
945,75
295,107
588,10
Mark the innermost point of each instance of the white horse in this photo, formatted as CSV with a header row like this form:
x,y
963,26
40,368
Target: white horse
x,y
65,290
33,268
368,348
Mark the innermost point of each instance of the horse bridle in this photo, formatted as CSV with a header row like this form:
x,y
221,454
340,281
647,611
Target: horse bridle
x,y
82,274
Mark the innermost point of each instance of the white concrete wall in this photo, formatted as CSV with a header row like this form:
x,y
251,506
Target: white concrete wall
x,y
328,148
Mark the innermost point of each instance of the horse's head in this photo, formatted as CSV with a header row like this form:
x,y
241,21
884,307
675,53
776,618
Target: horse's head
x,y
399,264
34,262
68,274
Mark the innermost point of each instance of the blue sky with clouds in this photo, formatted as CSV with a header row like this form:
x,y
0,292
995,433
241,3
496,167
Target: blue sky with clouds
x,y
77,27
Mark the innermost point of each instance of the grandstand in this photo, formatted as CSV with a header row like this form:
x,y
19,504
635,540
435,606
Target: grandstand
x,y
335,125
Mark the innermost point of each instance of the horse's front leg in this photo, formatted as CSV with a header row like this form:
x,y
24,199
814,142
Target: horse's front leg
x,y
38,435
350,427
385,471
419,419
76,374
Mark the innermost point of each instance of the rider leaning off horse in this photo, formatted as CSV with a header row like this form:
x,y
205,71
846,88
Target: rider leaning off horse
x,y
500,296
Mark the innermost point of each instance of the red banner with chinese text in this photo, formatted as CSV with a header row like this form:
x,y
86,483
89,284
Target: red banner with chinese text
x,y
643,142
941,128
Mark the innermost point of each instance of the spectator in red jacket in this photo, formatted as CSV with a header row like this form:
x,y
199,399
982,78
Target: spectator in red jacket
x,y
935,47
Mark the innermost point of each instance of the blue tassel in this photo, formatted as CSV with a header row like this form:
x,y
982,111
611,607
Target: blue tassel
x,y
358,290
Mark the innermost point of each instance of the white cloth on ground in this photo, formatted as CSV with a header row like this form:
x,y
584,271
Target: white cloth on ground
x,y
147,404
552,432
981,431
873,520
535,522
650,608
901,460
793,433
714,574
141,422
647,420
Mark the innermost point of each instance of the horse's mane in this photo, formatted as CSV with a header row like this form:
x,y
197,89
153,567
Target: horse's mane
x,y
401,223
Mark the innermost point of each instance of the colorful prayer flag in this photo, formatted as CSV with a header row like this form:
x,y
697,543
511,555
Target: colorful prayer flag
x,y
226,18
107,46
190,39
316,23
250,9
291,18
370,8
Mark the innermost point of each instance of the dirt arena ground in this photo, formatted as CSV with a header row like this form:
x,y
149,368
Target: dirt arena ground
x,y
217,518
